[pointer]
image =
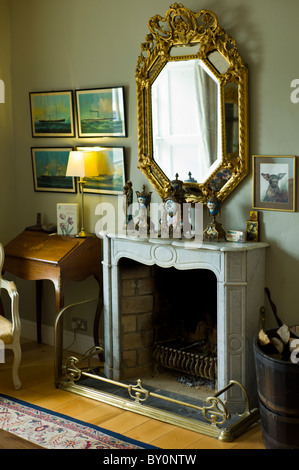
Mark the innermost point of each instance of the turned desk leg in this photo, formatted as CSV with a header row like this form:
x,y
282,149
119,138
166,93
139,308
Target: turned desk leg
x,y
59,295
39,296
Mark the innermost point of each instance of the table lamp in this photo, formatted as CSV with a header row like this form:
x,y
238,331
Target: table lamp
x,y
82,164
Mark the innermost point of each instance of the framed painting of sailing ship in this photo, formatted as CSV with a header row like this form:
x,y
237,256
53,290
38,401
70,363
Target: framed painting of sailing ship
x,y
49,170
101,112
112,171
52,114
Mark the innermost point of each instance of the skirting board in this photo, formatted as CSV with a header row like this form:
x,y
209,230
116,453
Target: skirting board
x,y
81,344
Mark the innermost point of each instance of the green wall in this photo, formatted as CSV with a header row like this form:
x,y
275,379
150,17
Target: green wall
x,y
73,44
7,161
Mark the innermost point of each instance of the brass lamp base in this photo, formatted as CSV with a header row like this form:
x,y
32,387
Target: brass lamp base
x,y
83,234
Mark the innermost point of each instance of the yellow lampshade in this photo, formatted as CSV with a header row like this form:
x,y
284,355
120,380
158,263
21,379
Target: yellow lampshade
x,y
82,164
104,164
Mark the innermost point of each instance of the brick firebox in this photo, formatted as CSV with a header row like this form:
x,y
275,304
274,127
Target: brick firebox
x,y
137,304
157,306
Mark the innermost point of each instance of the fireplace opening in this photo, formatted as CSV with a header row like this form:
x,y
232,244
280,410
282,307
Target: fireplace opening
x,y
168,332
215,291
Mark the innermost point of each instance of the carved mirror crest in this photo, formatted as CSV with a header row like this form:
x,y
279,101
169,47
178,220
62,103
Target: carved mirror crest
x,y
192,105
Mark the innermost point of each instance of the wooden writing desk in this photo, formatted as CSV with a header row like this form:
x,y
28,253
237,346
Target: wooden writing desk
x,y
35,255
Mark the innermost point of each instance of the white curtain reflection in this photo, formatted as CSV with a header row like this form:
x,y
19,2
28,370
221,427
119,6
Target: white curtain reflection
x,y
186,134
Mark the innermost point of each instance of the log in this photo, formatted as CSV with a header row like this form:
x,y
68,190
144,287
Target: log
x,y
263,338
284,333
283,344
278,344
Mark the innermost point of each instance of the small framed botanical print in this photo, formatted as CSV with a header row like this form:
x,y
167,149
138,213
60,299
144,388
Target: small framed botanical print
x,y
274,182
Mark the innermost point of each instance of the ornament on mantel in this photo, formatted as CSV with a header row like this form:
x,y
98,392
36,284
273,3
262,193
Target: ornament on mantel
x,y
128,200
172,216
214,230
143,224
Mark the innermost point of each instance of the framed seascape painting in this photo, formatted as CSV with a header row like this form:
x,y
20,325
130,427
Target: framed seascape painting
x,y
49,170
274,182
111,168
52,114
101,112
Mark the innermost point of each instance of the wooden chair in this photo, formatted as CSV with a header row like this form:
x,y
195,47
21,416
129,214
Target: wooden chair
x,y
10,330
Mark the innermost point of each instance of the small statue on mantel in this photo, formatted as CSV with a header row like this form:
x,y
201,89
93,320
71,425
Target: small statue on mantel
x,y
190,179
214,230
143,224
128,200
172,217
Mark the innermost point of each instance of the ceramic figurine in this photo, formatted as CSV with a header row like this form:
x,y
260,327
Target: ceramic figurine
x,y
190,179
172,218
144,199
214,230
128,200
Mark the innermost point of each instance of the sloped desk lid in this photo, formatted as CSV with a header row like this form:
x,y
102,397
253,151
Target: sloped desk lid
x,y
40,246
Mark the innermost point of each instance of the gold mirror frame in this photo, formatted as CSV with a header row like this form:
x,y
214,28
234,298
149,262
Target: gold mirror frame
x,y
182,27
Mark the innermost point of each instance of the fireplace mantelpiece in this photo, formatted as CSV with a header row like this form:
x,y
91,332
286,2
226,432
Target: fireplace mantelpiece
x,y
240,273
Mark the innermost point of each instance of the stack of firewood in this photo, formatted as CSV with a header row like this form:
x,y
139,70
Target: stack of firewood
x,y
282,344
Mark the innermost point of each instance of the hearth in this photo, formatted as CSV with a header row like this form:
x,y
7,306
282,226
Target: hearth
x,y
203,328
239,270
164,325
173,355
185,336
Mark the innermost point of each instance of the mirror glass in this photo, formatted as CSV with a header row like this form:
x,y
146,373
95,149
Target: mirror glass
x,y
186,129
231,118
192,105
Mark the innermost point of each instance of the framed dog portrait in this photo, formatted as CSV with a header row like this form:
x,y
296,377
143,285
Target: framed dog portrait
x,y
274,182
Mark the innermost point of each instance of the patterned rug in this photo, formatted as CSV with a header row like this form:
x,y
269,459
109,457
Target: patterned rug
x,y
53,430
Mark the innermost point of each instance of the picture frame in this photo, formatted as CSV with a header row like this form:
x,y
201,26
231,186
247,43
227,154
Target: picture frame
x,y
112,179
52,114
101,112
274,182
67,218
252,231
49,166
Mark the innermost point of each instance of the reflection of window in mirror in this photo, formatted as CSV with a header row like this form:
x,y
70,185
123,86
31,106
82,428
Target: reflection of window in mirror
x,y
185,119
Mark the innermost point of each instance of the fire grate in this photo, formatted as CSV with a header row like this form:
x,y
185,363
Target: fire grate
x,y
192,358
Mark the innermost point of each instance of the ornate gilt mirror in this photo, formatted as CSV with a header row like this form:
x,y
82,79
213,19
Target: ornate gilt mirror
x,y
192,105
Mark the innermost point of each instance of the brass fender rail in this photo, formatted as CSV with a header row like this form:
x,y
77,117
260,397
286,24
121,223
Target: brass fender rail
x,y
215,413
140,395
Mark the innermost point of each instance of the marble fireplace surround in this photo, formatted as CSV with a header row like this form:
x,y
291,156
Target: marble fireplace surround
x,y
240,272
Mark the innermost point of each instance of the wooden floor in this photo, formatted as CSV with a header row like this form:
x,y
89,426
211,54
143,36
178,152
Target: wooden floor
x,y
37,376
